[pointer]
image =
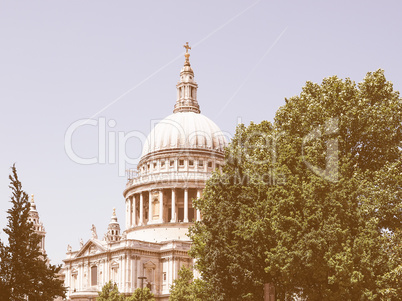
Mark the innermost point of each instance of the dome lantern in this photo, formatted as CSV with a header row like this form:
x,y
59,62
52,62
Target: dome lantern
x,y
187,88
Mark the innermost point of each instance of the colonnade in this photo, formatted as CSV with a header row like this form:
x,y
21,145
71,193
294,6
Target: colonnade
x,y
156,205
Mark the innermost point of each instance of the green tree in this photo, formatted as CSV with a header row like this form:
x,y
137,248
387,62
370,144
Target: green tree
x,y
312,204
141,294
5,285
110,292
24,270
186,288
338,142
181,288
230,241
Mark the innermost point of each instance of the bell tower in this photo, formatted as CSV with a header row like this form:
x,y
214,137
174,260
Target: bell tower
x,y
37,226
113,230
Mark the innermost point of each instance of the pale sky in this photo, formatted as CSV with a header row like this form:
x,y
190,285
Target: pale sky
x,y
63,61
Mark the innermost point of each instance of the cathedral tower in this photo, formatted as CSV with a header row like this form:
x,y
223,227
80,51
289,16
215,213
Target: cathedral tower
x,y
37,226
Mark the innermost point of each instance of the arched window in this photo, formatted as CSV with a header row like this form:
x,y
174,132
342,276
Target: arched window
x,y
94,276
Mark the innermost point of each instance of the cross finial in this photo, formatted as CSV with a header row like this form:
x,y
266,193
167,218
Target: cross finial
x,y
32,199
114,211
187,47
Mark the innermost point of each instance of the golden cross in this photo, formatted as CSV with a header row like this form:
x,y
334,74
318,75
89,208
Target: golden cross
x,y
187,47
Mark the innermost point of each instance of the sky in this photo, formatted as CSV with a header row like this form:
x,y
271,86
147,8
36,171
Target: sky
x,y
115,66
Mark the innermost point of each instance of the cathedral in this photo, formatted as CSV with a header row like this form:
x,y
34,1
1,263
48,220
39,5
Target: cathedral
x,y
178,157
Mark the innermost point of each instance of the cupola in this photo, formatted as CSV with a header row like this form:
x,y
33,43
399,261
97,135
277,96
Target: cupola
x,y
113,229
187,88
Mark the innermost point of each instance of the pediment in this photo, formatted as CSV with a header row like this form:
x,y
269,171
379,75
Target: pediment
x,y
149,265
91,247
114,264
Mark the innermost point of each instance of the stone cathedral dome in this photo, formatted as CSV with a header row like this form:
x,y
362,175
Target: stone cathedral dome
x,y
178,157
185,130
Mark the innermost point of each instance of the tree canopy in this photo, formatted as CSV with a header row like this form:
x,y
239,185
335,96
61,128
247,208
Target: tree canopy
x,y
186,288
110,292
311,203
24,269
142,294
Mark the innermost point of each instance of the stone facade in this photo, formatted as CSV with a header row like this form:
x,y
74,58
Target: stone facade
x,y
178,157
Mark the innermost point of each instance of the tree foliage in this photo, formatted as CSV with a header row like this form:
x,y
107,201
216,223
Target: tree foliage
x,y
311,203
110,292
24,270
186,288
229,243
142,294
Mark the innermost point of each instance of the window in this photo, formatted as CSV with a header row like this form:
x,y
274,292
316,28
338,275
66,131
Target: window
x,y
115,273
74,282
171,163
210,164
162,163
191,162
94,276
154,164
164,276
181,162
200,163
218,166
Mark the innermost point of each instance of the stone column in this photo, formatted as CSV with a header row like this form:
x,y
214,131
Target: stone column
x,y
198,210
131,211
169,273
141,222
79,278
134,212
185,205
68,279
177,268
173,220
134,283
161,206
139,273
122,271
128,274
128,213
105,273
150,207
106,270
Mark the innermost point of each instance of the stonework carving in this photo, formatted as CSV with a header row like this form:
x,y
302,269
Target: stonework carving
x,y
93,231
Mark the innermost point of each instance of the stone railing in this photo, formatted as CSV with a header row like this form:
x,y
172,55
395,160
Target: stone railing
x,y
169,177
